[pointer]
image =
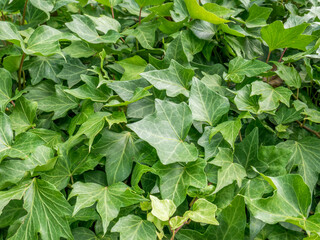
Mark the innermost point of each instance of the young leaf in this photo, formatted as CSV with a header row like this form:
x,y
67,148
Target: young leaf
x,y
203,211
162,209
289,74
257,16
132,67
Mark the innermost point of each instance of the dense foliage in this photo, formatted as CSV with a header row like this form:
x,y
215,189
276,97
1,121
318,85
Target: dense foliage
x,y
159,119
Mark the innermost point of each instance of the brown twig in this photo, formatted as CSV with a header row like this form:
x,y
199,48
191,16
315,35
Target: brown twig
x,y
20,70
308,129
140,12
268,57
24,12
112,12
240,136
283,52
13,104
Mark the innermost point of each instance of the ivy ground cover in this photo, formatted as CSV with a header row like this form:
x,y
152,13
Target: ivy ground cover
x,y
159,119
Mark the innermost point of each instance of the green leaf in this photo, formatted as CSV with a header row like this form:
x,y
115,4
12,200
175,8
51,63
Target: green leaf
x,y
175,80
6,134
39,206
119,149
23,115
232,222
72,71
162,209
229,171
289,203
132,67
45,6
9,32
198,12
85,28
206,105
144,33
203,211
245,102
60,103
90,90
175,179
132,227
270,97
305,155
143,3
109,3
258,16
239,68
229,130
289,74
79,49
276,36
166,130
110,199
12,171
5,88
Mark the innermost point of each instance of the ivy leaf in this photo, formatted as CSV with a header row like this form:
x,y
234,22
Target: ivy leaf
x,y
206,105
132,227
110,199
84,27
143,3
90,90
60,103
229,130
109,3
45,6
119,149
305,155
289,74
203,211
6,134
23,115
39,206
289,203
9,32
166,130
276,36
72,71
245,102
270,97
198,12
258,16
239,68
229,171
144,33
5,88
162,209
231,221
175,179
132,67
175,80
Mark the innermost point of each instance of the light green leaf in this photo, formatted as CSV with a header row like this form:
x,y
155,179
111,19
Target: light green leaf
x,y
39,206
270,97
305,154
110,199
198,12
90,90
258,16
45,6
162,209
175,80
109,3
177,221
105,23
60,103
144,33
289,74
6,134
229,171
239,68
13,171
132,67
166,130
290,201
203,211
205,104
120,152
132,227
137,173
23,115
5,88
79,49
276,36
9,32
245,102
229,130
116,118
85,28
175,179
